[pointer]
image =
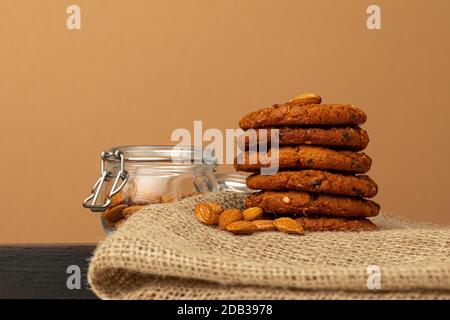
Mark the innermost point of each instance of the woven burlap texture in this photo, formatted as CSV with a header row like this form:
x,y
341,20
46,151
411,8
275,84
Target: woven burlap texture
x,y
163,252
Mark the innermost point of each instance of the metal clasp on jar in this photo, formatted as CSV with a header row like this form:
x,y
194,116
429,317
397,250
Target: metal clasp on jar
x,y
106,175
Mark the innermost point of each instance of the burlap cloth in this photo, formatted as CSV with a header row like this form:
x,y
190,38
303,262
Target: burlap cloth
x,y
163,252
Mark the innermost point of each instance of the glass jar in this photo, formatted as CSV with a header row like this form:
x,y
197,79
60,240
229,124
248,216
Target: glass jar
x,y
136,176
235,182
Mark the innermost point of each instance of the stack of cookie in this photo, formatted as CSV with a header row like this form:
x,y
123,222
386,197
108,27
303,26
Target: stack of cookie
x,y
319,179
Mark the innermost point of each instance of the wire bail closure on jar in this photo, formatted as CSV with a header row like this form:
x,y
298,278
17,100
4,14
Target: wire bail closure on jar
x,y
106,175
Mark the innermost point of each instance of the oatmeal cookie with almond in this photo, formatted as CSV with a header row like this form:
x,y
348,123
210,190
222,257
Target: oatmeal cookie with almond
x,y
292,114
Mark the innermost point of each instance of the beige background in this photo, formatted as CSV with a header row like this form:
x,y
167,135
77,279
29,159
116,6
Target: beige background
x,y
139,69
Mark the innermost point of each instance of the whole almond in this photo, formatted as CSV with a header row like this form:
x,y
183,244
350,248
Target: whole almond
x,y
117,199
264,225
252,213
242,227
130,210
119,223
110,224
114,214
216,207
229,216
205,214
307,98
288,225
168,198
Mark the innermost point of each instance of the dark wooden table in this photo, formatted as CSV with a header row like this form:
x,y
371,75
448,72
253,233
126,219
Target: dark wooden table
x,y
45,271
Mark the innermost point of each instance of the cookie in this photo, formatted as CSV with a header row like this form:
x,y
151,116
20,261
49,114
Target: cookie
x,y
315,181
290,202
305,157
335,224
348,138
291,114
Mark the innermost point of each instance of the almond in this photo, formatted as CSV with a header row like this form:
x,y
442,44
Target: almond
x,y
205,214
114,214
252,213
130,210
119,223
264,225
307,98
168,198
288,225
242,227
216,207
229,216
117,199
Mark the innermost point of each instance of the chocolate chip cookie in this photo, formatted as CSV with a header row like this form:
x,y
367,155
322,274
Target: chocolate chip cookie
x,y
315,181
335,224
349,138
291,114
289,202
305,157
